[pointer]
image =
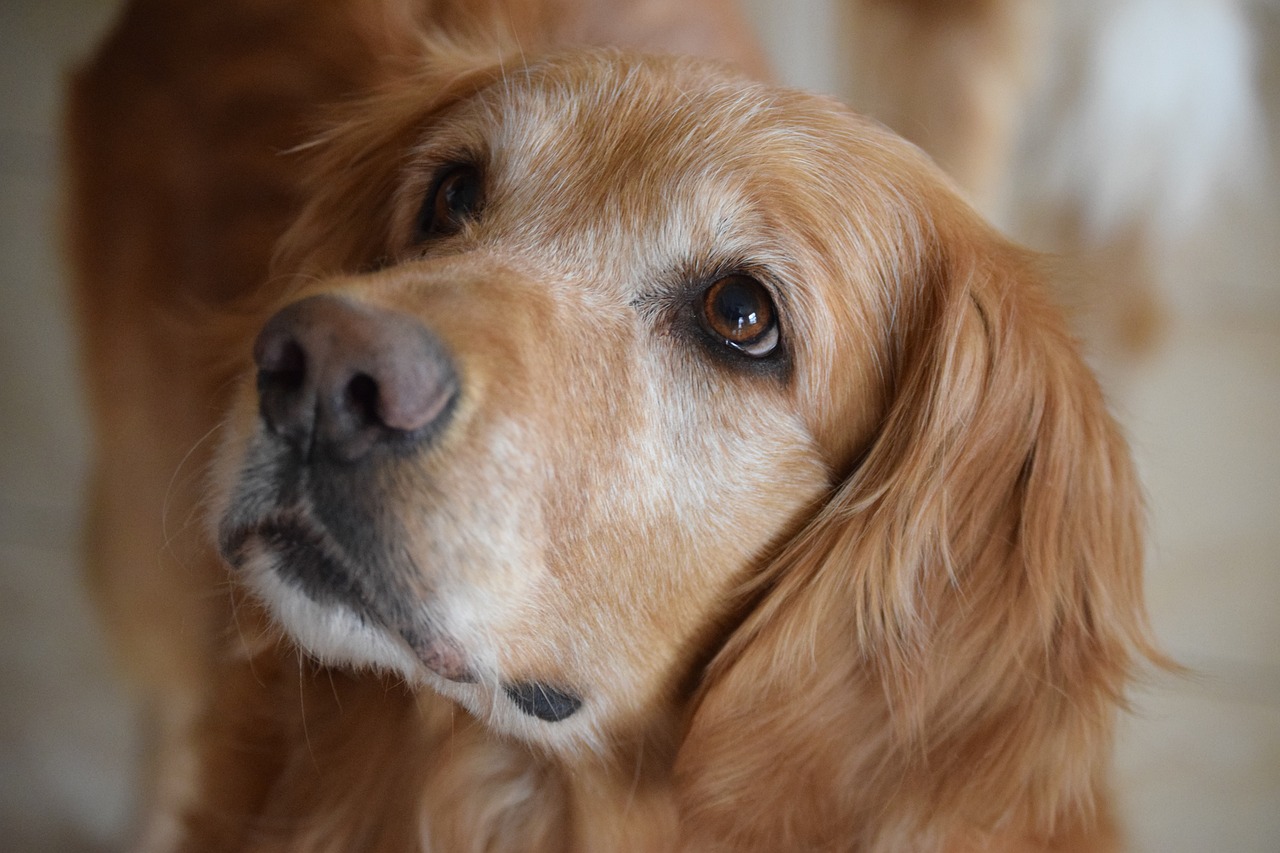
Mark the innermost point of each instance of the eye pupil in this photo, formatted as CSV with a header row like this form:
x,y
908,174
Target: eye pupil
x,y
738,310
455,198
460,193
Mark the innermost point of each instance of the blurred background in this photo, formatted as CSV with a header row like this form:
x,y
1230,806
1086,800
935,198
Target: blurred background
x,y
1197,387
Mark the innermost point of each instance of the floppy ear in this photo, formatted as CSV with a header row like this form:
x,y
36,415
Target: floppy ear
x,y
941,651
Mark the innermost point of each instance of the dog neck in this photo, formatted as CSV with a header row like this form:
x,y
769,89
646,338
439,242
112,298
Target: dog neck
x,y
300,757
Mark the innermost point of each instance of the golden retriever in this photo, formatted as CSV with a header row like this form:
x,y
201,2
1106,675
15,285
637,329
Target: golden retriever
x,y
620,453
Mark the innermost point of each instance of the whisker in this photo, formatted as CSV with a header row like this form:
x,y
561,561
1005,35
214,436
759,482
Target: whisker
x,y
302,708
333,689
169,534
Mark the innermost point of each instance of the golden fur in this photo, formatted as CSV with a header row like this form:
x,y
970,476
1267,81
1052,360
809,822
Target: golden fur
x,y
880,593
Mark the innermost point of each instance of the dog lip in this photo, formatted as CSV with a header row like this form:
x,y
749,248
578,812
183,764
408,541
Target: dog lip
x,y
232,540
308,558
440,655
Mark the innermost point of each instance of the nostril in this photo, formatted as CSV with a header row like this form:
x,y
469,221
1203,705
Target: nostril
x,y
282,363
283,395
362,399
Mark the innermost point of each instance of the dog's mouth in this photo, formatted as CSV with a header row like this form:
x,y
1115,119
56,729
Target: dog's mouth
x,y
324,561
308,559
304,555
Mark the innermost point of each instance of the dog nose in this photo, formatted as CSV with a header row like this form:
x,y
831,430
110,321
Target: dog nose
x,y
337,378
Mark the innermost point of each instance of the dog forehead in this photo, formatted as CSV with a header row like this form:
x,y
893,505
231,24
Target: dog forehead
x,y
620,107
662,160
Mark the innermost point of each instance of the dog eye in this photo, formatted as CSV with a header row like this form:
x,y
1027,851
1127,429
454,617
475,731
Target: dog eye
x,y
738,310
455,198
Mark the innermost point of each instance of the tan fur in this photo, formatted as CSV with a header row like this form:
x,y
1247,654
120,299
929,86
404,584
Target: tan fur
x,y
883,597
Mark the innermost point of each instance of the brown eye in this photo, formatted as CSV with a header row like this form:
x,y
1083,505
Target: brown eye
x,y
738,310
455,198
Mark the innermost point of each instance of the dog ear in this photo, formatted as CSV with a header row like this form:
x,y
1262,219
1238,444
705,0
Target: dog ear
x,y
945,644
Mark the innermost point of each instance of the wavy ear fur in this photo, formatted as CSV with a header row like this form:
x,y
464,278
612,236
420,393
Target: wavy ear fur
x,y
937,659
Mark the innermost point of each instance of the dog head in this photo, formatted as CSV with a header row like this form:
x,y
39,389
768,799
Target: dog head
x,y
606,367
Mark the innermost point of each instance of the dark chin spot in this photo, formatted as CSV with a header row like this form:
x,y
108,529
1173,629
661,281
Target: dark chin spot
x,y
542,701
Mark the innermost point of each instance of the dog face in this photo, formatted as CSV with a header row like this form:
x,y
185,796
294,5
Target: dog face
x,y
608,366
648,316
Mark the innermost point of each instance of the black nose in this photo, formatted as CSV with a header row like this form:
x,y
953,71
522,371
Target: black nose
x,y
337,378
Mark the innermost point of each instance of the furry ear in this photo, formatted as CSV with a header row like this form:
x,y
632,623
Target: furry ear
x,y
939,655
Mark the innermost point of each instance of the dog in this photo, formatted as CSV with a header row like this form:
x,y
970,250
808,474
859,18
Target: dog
x,y
575,448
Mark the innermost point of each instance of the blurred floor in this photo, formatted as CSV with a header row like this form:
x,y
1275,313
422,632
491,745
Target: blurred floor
x,y
1199,763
